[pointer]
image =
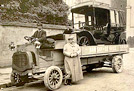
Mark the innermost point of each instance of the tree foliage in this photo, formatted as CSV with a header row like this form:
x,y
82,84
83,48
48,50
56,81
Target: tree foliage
x,y
46,11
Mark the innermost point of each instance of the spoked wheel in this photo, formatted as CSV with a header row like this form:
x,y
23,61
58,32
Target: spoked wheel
x,y
117,64
53,78
83,40
17,80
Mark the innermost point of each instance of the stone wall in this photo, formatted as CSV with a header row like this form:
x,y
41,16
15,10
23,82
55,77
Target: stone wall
x,y
15,32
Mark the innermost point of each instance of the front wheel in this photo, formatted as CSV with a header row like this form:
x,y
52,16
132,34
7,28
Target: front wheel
x,y
18,80
117,64
53,78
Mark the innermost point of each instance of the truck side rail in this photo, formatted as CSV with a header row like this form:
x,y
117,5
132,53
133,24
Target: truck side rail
x,y
103,50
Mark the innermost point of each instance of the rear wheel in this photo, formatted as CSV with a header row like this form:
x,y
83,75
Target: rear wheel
x,y
53,78
117,64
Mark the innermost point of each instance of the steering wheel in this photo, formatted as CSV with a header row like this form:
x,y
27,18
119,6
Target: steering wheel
x,y
31,39
83,40
27,38
83,25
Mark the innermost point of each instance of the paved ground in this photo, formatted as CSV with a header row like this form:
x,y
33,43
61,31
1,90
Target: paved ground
x,y
98,80
5,75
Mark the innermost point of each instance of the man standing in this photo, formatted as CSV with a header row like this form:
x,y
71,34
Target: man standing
x,y
72,61
40,35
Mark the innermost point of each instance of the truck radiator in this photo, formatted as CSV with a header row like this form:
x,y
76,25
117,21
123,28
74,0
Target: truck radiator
x,y
20,59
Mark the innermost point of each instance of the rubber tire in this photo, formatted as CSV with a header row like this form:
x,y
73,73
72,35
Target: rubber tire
x,y
114,65
46,77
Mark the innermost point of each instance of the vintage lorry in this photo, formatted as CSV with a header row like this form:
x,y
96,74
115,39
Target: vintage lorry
x,y
100,47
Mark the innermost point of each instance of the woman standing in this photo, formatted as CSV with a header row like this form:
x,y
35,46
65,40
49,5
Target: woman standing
x,y
72,61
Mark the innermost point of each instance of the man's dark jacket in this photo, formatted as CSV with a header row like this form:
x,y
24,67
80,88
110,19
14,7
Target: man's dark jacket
x,y
41,35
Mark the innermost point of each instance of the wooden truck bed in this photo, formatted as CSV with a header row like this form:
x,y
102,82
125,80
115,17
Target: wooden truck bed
x,y
97,50
101,50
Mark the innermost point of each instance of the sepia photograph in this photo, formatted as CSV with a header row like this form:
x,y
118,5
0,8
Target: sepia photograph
x,y
66,45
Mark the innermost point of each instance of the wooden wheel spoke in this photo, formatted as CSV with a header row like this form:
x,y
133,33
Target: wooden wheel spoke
x,y
58,78
118,67
57,73
118,64
57,81
53,72
51,82
50,78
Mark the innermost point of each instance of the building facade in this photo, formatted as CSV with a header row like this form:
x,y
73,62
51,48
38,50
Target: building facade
x,y
130,22
130,16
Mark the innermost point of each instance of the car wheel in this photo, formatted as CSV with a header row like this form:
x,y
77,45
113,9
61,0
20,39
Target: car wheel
x,y
53,78
117,64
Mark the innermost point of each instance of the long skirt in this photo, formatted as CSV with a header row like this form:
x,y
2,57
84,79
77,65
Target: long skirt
x,y
73,68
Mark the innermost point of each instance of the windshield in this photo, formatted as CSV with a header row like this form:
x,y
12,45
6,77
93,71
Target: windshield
x,y
91,17
81,20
